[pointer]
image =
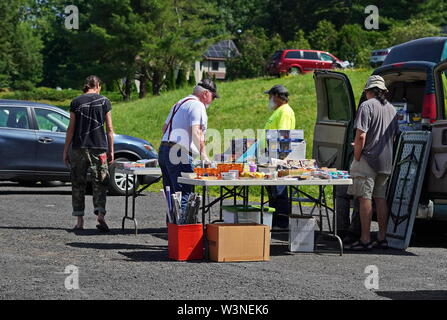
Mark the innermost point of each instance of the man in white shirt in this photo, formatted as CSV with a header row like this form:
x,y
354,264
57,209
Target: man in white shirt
x,y
184,136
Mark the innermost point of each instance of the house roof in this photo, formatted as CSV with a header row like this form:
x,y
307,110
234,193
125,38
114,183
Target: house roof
x,y
222,50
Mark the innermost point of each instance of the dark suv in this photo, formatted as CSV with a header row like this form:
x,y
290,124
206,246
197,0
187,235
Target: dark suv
x,y
419,85
32,139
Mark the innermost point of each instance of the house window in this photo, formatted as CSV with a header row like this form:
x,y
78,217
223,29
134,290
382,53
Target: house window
x,y
215,66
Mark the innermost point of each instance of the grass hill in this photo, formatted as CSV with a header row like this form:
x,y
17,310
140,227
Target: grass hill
x,y
242,105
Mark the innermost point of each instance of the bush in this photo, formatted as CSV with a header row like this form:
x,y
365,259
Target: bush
x,y
299,42
181,79
324,37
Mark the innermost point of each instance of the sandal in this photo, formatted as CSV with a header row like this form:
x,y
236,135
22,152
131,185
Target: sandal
x,y
381,244
360,246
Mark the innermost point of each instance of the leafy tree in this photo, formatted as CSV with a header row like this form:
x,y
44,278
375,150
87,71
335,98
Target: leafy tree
x,y
299,41
413,29
324,37
20,47
254,49
352,41
177,32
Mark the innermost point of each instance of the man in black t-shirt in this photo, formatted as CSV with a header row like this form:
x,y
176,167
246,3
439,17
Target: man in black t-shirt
x,y
91,147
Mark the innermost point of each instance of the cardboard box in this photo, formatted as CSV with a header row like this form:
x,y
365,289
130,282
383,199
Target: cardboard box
x,y
302,233
238,242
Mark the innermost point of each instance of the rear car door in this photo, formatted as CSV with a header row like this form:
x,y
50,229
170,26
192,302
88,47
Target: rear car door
x,y
17,142
436,176
51,131
311,60
335,116
292,59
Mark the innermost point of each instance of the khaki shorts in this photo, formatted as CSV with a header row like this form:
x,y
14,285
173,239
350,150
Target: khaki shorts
x,y
366,183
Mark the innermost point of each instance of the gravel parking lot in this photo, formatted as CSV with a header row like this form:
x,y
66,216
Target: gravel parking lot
x,y
37,246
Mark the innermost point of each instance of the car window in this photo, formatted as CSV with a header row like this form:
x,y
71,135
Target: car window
x,y
14,117
293,55
338,100
48,120
310,55
326,57
277,55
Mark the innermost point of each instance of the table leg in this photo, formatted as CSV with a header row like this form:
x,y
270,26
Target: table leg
x,y
134,195
203,206
262,204
126,202
221,203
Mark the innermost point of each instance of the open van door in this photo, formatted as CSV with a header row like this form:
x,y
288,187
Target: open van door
x,y
333,131
437,167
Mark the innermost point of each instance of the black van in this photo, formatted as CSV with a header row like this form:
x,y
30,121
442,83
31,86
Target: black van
x,y
419,86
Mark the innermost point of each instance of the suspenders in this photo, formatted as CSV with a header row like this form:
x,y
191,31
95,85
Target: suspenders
x,y
174,111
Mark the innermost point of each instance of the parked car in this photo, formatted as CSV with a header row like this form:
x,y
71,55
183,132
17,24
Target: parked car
x,y
421,85
378,57
294,61
431,49
32,138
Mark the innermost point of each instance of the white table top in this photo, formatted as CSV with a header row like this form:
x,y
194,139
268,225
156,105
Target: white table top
x,y
141,171
262,182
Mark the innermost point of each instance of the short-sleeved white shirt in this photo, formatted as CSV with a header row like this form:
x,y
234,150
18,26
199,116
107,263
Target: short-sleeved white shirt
x,y
190,113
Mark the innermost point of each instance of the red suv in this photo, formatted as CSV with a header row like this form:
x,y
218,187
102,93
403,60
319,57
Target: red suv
x,y
294,61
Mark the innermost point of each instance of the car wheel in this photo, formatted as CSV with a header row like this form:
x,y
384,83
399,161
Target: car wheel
x,y
294,71
117,186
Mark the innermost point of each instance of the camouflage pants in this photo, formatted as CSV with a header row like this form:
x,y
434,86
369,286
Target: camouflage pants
x,y
81,161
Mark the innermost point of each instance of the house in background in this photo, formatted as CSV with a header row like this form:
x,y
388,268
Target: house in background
x,y
214,59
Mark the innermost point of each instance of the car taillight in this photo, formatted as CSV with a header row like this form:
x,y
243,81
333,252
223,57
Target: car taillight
x,y
398,65
383,53
429,108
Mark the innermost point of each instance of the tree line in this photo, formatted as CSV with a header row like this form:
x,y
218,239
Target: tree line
x,y
149,40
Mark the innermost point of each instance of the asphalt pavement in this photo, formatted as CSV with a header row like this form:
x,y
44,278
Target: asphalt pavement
x,y
40,258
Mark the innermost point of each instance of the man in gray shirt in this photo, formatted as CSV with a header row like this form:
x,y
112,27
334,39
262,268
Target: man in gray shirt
x,y
376,128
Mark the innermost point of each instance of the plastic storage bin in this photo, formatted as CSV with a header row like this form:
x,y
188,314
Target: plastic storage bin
x,y
185,242
249,214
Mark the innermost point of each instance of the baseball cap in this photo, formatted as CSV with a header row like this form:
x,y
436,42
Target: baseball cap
x,y
279,89
375,82
209,84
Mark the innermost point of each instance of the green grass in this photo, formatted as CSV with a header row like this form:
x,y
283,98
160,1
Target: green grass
x,y
243,105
